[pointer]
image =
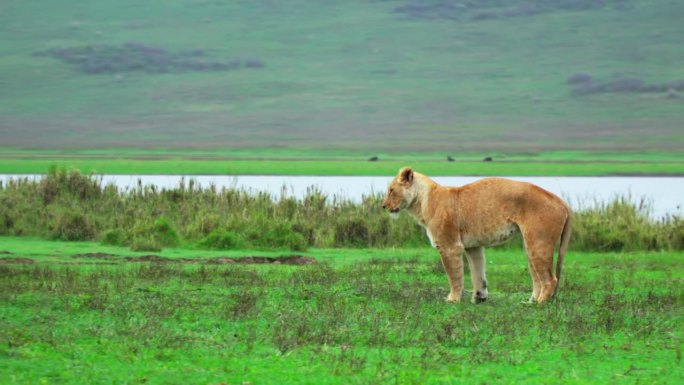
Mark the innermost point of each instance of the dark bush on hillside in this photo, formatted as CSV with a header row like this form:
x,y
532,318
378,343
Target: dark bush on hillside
x,y
623,85
580,78
253,63
478,10
130,57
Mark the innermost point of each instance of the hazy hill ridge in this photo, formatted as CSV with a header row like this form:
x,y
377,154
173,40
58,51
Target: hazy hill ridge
x,y
391,75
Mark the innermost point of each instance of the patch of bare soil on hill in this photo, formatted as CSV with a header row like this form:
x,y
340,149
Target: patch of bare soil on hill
x,y
259,260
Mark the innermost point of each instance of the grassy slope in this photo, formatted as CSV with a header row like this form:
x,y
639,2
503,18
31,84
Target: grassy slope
x,y
345,75
366,316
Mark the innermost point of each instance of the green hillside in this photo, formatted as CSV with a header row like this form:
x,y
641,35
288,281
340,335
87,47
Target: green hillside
x,y
391,75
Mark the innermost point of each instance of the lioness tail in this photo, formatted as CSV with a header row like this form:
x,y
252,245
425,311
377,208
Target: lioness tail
x,y
564,241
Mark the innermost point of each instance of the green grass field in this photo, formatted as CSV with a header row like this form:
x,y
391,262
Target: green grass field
x,y
356,317
380,76
293,162
303,87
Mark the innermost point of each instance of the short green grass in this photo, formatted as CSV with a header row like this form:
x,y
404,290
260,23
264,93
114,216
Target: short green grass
x,y
316,162
356,317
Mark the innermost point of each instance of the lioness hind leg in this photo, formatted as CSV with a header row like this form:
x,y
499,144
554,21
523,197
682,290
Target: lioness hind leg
x,y
541,266
477,263
539,245
535,284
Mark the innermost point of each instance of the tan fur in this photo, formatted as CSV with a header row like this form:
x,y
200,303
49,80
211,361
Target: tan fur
x,y
463,220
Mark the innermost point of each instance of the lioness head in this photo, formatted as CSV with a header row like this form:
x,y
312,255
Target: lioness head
x,y
399,193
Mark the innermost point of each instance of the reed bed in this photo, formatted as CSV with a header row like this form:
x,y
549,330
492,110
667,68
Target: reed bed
x,y
72,206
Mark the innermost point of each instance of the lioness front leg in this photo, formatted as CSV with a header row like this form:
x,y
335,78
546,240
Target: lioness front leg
x,y
452,261
477,263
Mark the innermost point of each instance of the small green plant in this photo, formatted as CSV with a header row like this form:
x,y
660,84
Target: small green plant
x,y
278,236
163,233
115,237
351,232
220,240
71,225
146,244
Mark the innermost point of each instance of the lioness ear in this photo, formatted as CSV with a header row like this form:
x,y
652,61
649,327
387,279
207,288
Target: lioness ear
x,y
406,175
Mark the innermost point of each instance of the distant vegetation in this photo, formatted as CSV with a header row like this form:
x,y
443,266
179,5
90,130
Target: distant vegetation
x,y
583,84
102,59
497,9
72,206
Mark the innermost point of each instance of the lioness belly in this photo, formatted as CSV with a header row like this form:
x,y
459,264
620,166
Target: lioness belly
x,y
490,237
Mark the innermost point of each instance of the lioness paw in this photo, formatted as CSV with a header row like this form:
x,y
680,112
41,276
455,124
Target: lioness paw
x,y
480,296
453,298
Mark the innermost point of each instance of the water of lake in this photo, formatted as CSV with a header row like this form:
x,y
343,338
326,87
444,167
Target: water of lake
x,y
664,195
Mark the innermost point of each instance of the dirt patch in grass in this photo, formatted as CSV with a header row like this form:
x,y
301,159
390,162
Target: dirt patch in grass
x,y
259,260
149,258
16,260
285,260
95,255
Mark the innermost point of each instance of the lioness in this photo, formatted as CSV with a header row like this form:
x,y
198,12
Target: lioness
x,y
464,219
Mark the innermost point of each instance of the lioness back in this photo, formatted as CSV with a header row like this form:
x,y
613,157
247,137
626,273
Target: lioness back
x,y
505,197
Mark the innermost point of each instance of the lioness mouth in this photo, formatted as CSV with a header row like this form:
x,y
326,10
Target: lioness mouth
x,y
394,211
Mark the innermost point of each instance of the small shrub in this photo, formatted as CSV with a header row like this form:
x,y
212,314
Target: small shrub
x,y
351,232
159,233
295,242
115,237
203,224
145,244
282,235
220,240
58,183
71,225
6,218
164,233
